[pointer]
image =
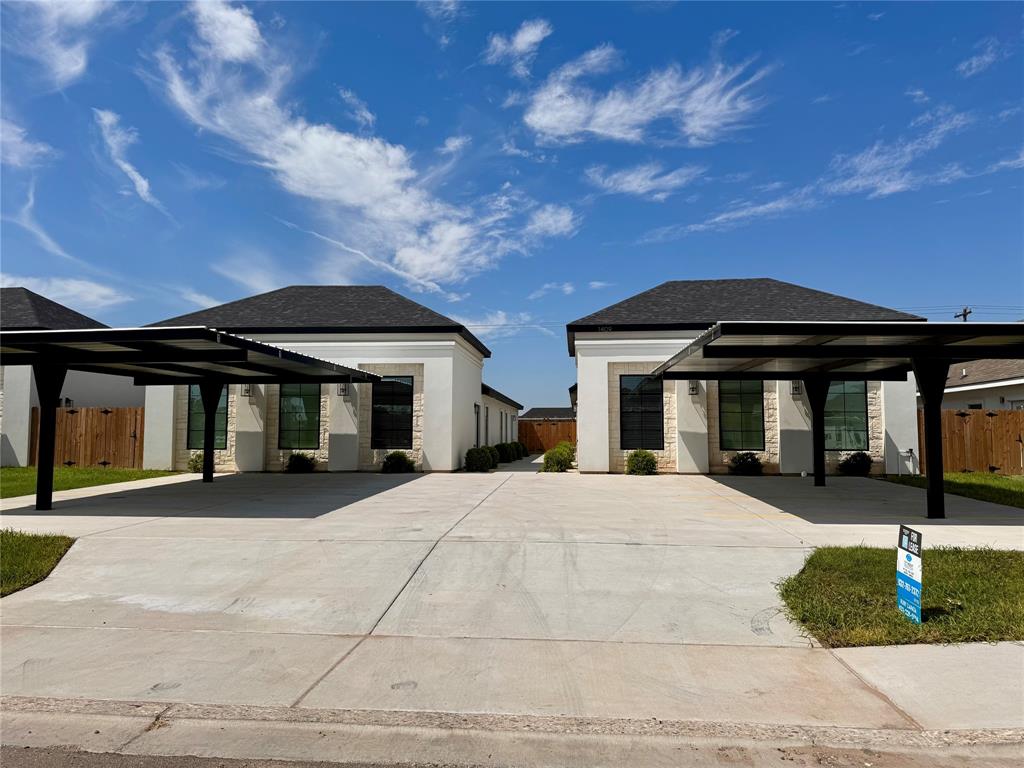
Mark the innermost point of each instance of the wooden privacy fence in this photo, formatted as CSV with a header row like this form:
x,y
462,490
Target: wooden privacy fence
x,y
95,437
979,441
539,436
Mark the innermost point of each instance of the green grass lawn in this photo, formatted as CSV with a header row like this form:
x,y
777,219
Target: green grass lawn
x,y
26,558
846,596
19,481
983,486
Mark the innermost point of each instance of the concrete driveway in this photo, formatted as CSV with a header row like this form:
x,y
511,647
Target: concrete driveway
x,y
506,593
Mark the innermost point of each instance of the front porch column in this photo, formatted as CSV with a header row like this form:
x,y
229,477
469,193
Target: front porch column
x,y
49,382
209,391
931,382
817,392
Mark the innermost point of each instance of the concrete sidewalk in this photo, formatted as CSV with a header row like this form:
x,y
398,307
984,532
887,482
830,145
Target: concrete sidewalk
x,y
515,596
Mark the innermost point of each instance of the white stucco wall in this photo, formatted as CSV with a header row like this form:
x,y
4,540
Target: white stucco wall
x,y
594,351
991,397
899,417
158,439
500,412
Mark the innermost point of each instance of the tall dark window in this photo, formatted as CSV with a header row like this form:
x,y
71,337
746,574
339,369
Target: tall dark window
x,y
641,413
741,415
476,419
299,410
197,419
391,420
846,416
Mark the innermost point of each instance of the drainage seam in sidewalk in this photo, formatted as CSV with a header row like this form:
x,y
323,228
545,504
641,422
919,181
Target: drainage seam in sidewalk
x,y
398,594
903,713
152,724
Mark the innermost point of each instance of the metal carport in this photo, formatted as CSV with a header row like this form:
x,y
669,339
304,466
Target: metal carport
x,y
188,355
818,353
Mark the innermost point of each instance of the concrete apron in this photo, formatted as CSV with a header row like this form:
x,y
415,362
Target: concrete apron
x,y
517,597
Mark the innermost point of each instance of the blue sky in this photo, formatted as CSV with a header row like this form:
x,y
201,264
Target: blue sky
x,y
512,165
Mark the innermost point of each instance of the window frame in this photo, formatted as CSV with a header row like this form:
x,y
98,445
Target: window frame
x,y
225,396
280,420
846,411
643,443
721,422
379,441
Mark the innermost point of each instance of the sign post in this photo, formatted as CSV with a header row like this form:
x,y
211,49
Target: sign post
x,y
908,573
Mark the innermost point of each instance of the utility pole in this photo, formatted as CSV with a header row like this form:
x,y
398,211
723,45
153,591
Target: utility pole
x,y
964,313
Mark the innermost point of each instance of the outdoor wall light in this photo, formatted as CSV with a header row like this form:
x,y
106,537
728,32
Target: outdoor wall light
x,y
247,390
693,387
796,387
343,389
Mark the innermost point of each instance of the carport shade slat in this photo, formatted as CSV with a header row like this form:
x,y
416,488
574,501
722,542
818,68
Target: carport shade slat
x,y
156,355
820,352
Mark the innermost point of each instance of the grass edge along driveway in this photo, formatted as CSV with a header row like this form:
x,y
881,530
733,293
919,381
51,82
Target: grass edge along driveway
x,y
28,558
983,486
21,481
846,596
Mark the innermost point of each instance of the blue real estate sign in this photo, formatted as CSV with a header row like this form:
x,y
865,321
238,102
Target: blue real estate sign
x,y
908,573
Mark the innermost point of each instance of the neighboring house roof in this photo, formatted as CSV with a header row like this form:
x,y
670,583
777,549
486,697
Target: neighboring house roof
x,y
984,372
492,392
548,413
699,304
25,310
327,309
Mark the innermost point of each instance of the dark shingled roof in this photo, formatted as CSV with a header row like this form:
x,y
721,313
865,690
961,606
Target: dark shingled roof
x,y
699,304
25,310
548,413
326,309
492,392
984,372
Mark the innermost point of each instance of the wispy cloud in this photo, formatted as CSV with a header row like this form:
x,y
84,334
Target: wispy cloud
x,y
454,145
876,16
520,49
18,150
357,109
117,140
201,300
989,51
58,35
885,168
597,285
703,105
74,292
566,289
195,180
858,48
824,98
552,220
500,324
25,218
254,270
648,180
367,192
442,15
917,95
229,31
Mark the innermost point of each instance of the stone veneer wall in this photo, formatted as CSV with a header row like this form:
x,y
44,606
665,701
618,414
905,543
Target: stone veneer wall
x,y
370,458
718,459
616,455
223,461
876,434
276,458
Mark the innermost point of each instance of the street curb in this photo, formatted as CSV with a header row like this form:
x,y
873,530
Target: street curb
x,y
168,712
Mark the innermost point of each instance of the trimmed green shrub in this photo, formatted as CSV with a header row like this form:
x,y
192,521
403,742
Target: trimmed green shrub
x,y
478,460
858,463
195,462
300,462
641,462
745,463
517,453
523,449
568,447
397,462
494,455
504,452
558,459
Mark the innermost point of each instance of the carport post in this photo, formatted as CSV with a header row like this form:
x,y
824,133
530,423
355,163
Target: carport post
x,y
816,388
209,391
931,383
49,382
